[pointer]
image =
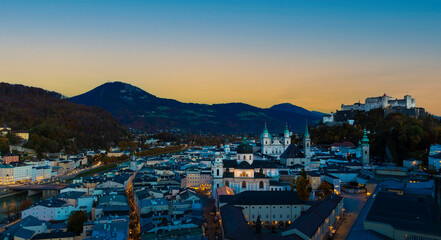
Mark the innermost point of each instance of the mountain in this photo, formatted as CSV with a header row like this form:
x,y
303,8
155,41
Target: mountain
x,y
140,110
55,123
288,107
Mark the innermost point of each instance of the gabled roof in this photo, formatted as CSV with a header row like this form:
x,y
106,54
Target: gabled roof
x,y
309,222
292,152
234,223
54,235
409,213
264,198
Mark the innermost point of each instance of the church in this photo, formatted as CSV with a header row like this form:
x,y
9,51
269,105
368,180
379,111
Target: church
x,y
244,173
274,145
293,156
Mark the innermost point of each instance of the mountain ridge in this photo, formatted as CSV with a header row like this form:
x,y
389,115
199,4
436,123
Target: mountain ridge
x,y
139,109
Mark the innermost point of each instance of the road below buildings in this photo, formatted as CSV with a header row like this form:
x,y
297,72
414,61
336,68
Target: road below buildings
x,y
211,227
353,204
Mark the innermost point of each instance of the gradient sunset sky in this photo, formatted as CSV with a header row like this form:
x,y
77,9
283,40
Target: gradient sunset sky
x,y
315,54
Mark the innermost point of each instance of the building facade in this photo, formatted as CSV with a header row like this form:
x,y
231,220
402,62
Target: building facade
x,y
244,173
274,145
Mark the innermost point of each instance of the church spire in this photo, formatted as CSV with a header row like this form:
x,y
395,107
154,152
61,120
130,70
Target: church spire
x,y
265,130
365,139
306,129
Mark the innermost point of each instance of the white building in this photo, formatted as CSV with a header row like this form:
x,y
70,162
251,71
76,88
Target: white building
x,y
384,101
50,210
41,172
435,162
435,149
274,145
275,207
10,174
244,173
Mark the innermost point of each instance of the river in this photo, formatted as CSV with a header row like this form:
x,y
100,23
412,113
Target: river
x,y
17,199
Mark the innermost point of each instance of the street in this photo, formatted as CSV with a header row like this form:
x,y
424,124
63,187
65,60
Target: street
x,y
212,226
353,204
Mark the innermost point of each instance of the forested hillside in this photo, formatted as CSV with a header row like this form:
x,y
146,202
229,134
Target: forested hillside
x,y
55,123
392,138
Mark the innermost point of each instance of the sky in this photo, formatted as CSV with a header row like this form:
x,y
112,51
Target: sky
x,y
314,54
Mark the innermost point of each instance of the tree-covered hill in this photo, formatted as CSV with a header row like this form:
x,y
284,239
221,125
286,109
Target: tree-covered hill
x,y
392,138
55,123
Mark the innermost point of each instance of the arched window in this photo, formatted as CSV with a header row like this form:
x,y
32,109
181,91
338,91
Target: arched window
x,y
238,157
244,158
227,183
307,145
261,185
244,184
261,170
250,157
217,171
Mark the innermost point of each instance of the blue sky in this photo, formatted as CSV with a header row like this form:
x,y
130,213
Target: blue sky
x,y
315,54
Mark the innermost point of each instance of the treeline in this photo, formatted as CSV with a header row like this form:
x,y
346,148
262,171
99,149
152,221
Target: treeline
x,y
392,138
54,123
158,151
323,134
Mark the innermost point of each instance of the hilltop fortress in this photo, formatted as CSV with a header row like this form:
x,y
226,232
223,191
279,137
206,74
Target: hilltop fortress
x,y
390,105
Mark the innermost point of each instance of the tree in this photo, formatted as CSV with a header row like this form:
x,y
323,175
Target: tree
x,y
4,145
326,188
76,221
127,145
25,204
10,209
13,139
302,186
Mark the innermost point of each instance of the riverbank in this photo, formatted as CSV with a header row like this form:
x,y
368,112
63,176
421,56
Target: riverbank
x,y
11,193
97,170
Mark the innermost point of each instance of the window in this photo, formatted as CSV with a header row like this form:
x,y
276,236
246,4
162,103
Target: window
x,y
244,157
244,184
260,184
217,171
227,183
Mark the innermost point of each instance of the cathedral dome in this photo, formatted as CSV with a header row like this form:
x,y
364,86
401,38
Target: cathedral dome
x,y
245,147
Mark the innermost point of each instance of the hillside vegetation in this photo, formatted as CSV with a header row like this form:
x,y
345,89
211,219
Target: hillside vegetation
x,y
55,123
392,138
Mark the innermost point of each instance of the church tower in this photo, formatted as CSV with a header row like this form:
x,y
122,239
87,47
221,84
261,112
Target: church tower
x,y
286,138
217,173
245,152
218,166
365,148
227,147
265,140
307,143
